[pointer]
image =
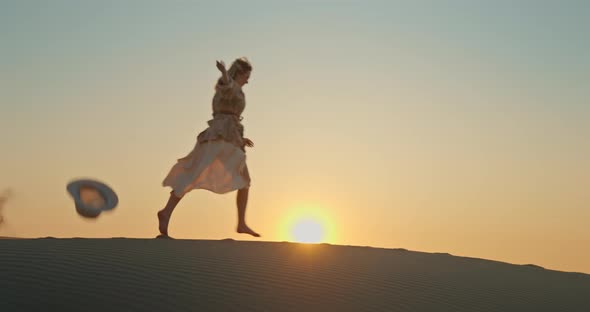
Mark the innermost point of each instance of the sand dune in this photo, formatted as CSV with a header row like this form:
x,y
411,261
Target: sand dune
x,y
200,275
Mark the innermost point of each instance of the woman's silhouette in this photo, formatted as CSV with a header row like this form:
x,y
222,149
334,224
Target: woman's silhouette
x,y
218,161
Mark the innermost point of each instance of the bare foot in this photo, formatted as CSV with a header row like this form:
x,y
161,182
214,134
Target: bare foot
x,y
163,218
242,228
163,236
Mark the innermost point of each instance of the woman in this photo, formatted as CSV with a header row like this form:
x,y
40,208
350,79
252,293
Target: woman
x,y
218,161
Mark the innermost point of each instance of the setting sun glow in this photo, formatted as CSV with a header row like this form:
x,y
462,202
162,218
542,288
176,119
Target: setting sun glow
x,y
308,224
308,231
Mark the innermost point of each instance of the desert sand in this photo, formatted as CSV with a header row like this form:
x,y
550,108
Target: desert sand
x,y
123,274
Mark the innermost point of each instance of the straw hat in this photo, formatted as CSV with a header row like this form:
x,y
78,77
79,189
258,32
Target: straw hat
x,y
92,197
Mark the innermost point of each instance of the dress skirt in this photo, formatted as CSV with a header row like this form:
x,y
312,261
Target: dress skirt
x,y
215,165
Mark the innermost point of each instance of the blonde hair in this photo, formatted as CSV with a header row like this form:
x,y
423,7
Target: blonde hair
x,y
239,66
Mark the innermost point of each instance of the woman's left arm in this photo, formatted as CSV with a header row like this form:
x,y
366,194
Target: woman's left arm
x,y
248,142
224,77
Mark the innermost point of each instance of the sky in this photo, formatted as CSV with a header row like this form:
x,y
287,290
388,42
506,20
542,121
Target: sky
x,y
436,126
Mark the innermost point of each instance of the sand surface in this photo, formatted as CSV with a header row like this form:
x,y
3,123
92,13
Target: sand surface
x,y
122,274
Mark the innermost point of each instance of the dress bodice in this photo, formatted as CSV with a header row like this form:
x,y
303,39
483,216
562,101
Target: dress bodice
x,y
229,98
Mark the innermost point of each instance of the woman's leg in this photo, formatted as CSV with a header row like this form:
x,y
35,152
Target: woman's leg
x,y
242,202
164,214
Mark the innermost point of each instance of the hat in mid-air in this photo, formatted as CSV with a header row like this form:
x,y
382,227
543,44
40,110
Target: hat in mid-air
x,y
92,197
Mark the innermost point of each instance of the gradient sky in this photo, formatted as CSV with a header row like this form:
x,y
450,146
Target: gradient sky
x,y
438,126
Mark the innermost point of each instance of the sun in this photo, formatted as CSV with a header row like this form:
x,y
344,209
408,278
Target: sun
x,y
307,224
308,231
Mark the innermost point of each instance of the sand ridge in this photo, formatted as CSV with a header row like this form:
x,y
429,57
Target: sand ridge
x,y
123,274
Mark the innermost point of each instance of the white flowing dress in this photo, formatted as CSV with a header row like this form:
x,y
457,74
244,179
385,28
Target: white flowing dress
x,y
218,161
